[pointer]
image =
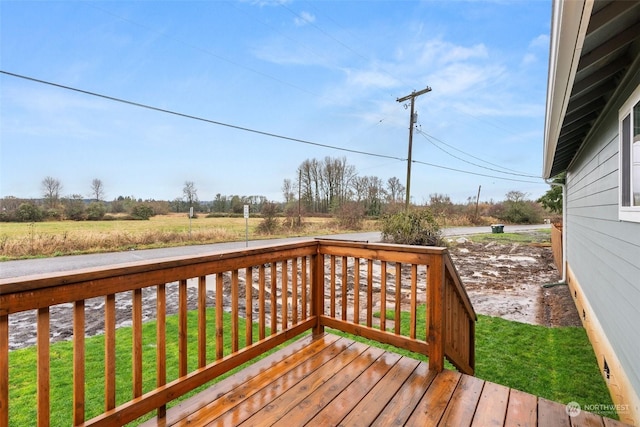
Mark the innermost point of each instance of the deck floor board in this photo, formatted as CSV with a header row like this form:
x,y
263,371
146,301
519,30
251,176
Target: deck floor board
x,y
330,380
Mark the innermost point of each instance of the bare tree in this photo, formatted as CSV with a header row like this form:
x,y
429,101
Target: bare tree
x,y
287,191
190,193
370,193
97,189
51,188
395,190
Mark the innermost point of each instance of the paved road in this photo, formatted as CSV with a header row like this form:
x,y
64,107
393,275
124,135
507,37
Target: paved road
x,y
66,263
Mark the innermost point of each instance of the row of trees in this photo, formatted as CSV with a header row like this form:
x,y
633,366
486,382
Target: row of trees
x,y
328,186
323,186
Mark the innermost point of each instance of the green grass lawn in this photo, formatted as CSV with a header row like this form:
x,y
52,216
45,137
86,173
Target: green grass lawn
x,y
555,363
541,236
22,372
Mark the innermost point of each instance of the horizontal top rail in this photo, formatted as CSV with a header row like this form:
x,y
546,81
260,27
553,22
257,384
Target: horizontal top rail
x,y
18,293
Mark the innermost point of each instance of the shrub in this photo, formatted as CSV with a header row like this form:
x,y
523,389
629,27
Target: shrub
x,y
518,210
96,211
141,211
28,212
350,215
269,223
74,208
411,228
293,217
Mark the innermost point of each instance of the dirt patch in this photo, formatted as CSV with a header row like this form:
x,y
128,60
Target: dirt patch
x,y
503,280
506,280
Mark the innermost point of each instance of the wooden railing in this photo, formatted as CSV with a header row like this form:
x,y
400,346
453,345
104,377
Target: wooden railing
x,y
273,294
403,279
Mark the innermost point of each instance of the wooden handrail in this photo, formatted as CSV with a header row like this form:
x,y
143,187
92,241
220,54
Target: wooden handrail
x,y
450,315
288,289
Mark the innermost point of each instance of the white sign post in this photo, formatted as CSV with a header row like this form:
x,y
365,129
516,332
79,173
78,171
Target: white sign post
x,y
246,224
190,216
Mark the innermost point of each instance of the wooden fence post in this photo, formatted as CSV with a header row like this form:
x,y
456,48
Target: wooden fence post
x,y
436,312
4,369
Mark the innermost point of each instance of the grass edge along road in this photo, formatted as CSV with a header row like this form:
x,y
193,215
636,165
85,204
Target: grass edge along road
x,y
57,238
555,363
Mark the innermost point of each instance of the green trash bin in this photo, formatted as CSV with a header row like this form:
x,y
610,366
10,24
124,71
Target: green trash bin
x,y
497,228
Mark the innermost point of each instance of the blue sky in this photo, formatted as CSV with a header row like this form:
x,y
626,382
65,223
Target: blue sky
x,y
327,72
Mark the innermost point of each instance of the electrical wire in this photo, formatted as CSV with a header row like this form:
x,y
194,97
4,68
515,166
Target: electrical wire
x,y
476,173
201,119
428,138
246,129
471,155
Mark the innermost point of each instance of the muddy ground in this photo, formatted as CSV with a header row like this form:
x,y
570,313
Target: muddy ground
x,y
503,280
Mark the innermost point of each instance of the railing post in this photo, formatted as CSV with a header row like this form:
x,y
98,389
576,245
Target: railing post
x,y
317,289
4,369
472,344
436,312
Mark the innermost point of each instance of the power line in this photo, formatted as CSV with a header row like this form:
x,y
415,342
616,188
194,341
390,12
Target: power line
x,y
475,157
476,173
202,119
425,136
246,129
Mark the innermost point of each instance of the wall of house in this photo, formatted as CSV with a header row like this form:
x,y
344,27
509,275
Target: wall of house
x,y
603,254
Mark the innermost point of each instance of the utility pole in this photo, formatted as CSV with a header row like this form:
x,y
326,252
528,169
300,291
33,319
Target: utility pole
x,y
412,120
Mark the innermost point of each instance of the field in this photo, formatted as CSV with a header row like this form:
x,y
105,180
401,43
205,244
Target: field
x,y
55,238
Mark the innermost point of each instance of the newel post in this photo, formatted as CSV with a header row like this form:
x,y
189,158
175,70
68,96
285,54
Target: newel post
x,y
317,289
4,368
436,313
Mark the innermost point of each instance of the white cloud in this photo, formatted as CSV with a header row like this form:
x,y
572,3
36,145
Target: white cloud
x,y
279,51
441,52
459,78
303,19
370,79
529,58
541,41
262,3
503,109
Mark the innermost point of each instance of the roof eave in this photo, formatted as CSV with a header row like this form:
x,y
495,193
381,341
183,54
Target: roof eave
x,y
569,22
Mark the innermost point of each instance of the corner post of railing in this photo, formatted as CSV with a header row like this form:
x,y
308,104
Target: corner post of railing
x,y
436,312
472,344
317,289
4,369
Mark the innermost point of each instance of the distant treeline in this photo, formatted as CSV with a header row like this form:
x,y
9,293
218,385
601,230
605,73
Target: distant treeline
x,y
329,186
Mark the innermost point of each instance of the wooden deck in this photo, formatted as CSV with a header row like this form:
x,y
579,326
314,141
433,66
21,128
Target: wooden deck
x,y
331,381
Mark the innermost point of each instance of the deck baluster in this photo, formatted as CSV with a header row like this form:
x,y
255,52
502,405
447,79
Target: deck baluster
x,y
109,352
182,327
137,342
43,379
248,305
78,362
202,321
219,317
161,342
294,291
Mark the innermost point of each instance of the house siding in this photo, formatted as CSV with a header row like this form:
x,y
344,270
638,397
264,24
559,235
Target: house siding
x,y
603,252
